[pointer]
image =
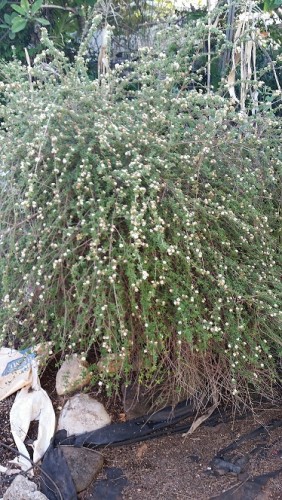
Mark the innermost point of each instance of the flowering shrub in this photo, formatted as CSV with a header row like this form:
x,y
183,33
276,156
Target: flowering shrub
x,y
139,219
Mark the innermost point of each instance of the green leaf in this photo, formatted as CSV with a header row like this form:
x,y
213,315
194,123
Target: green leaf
x,y
42,21
18,24
7,18
12,35
270,5
36,6
3,3
25,5
18,9
4,26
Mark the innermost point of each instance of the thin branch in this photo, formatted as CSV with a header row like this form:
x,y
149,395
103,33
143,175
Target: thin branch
x,y
4,35
60,7
209,48
28,69
272,66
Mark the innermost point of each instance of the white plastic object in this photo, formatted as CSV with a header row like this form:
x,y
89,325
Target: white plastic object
x,y
19,370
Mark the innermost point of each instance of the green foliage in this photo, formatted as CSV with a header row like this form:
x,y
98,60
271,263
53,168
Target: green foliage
x,y
27,13
269,5
140,219
22,21
7,24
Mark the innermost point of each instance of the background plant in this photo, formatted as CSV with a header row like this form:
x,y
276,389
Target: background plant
x,y
140,220
21,21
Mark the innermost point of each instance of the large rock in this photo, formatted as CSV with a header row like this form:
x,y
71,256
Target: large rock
x,y
23,489
82,413
84,465
72,375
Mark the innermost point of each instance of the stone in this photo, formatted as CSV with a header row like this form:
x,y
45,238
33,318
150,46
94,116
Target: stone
x,y
84,465
82,413
23,489
72,375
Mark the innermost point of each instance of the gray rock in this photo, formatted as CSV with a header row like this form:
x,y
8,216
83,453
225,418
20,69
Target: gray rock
x,y
84,465
72,375
23,489
82,413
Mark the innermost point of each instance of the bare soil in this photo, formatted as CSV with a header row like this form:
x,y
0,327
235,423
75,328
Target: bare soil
x,y
178,467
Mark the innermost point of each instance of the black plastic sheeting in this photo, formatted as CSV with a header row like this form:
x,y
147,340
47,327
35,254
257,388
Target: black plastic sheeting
x,y
56,481
110,488
249,489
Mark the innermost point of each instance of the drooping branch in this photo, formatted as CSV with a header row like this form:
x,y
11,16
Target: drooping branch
x,y
60,7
